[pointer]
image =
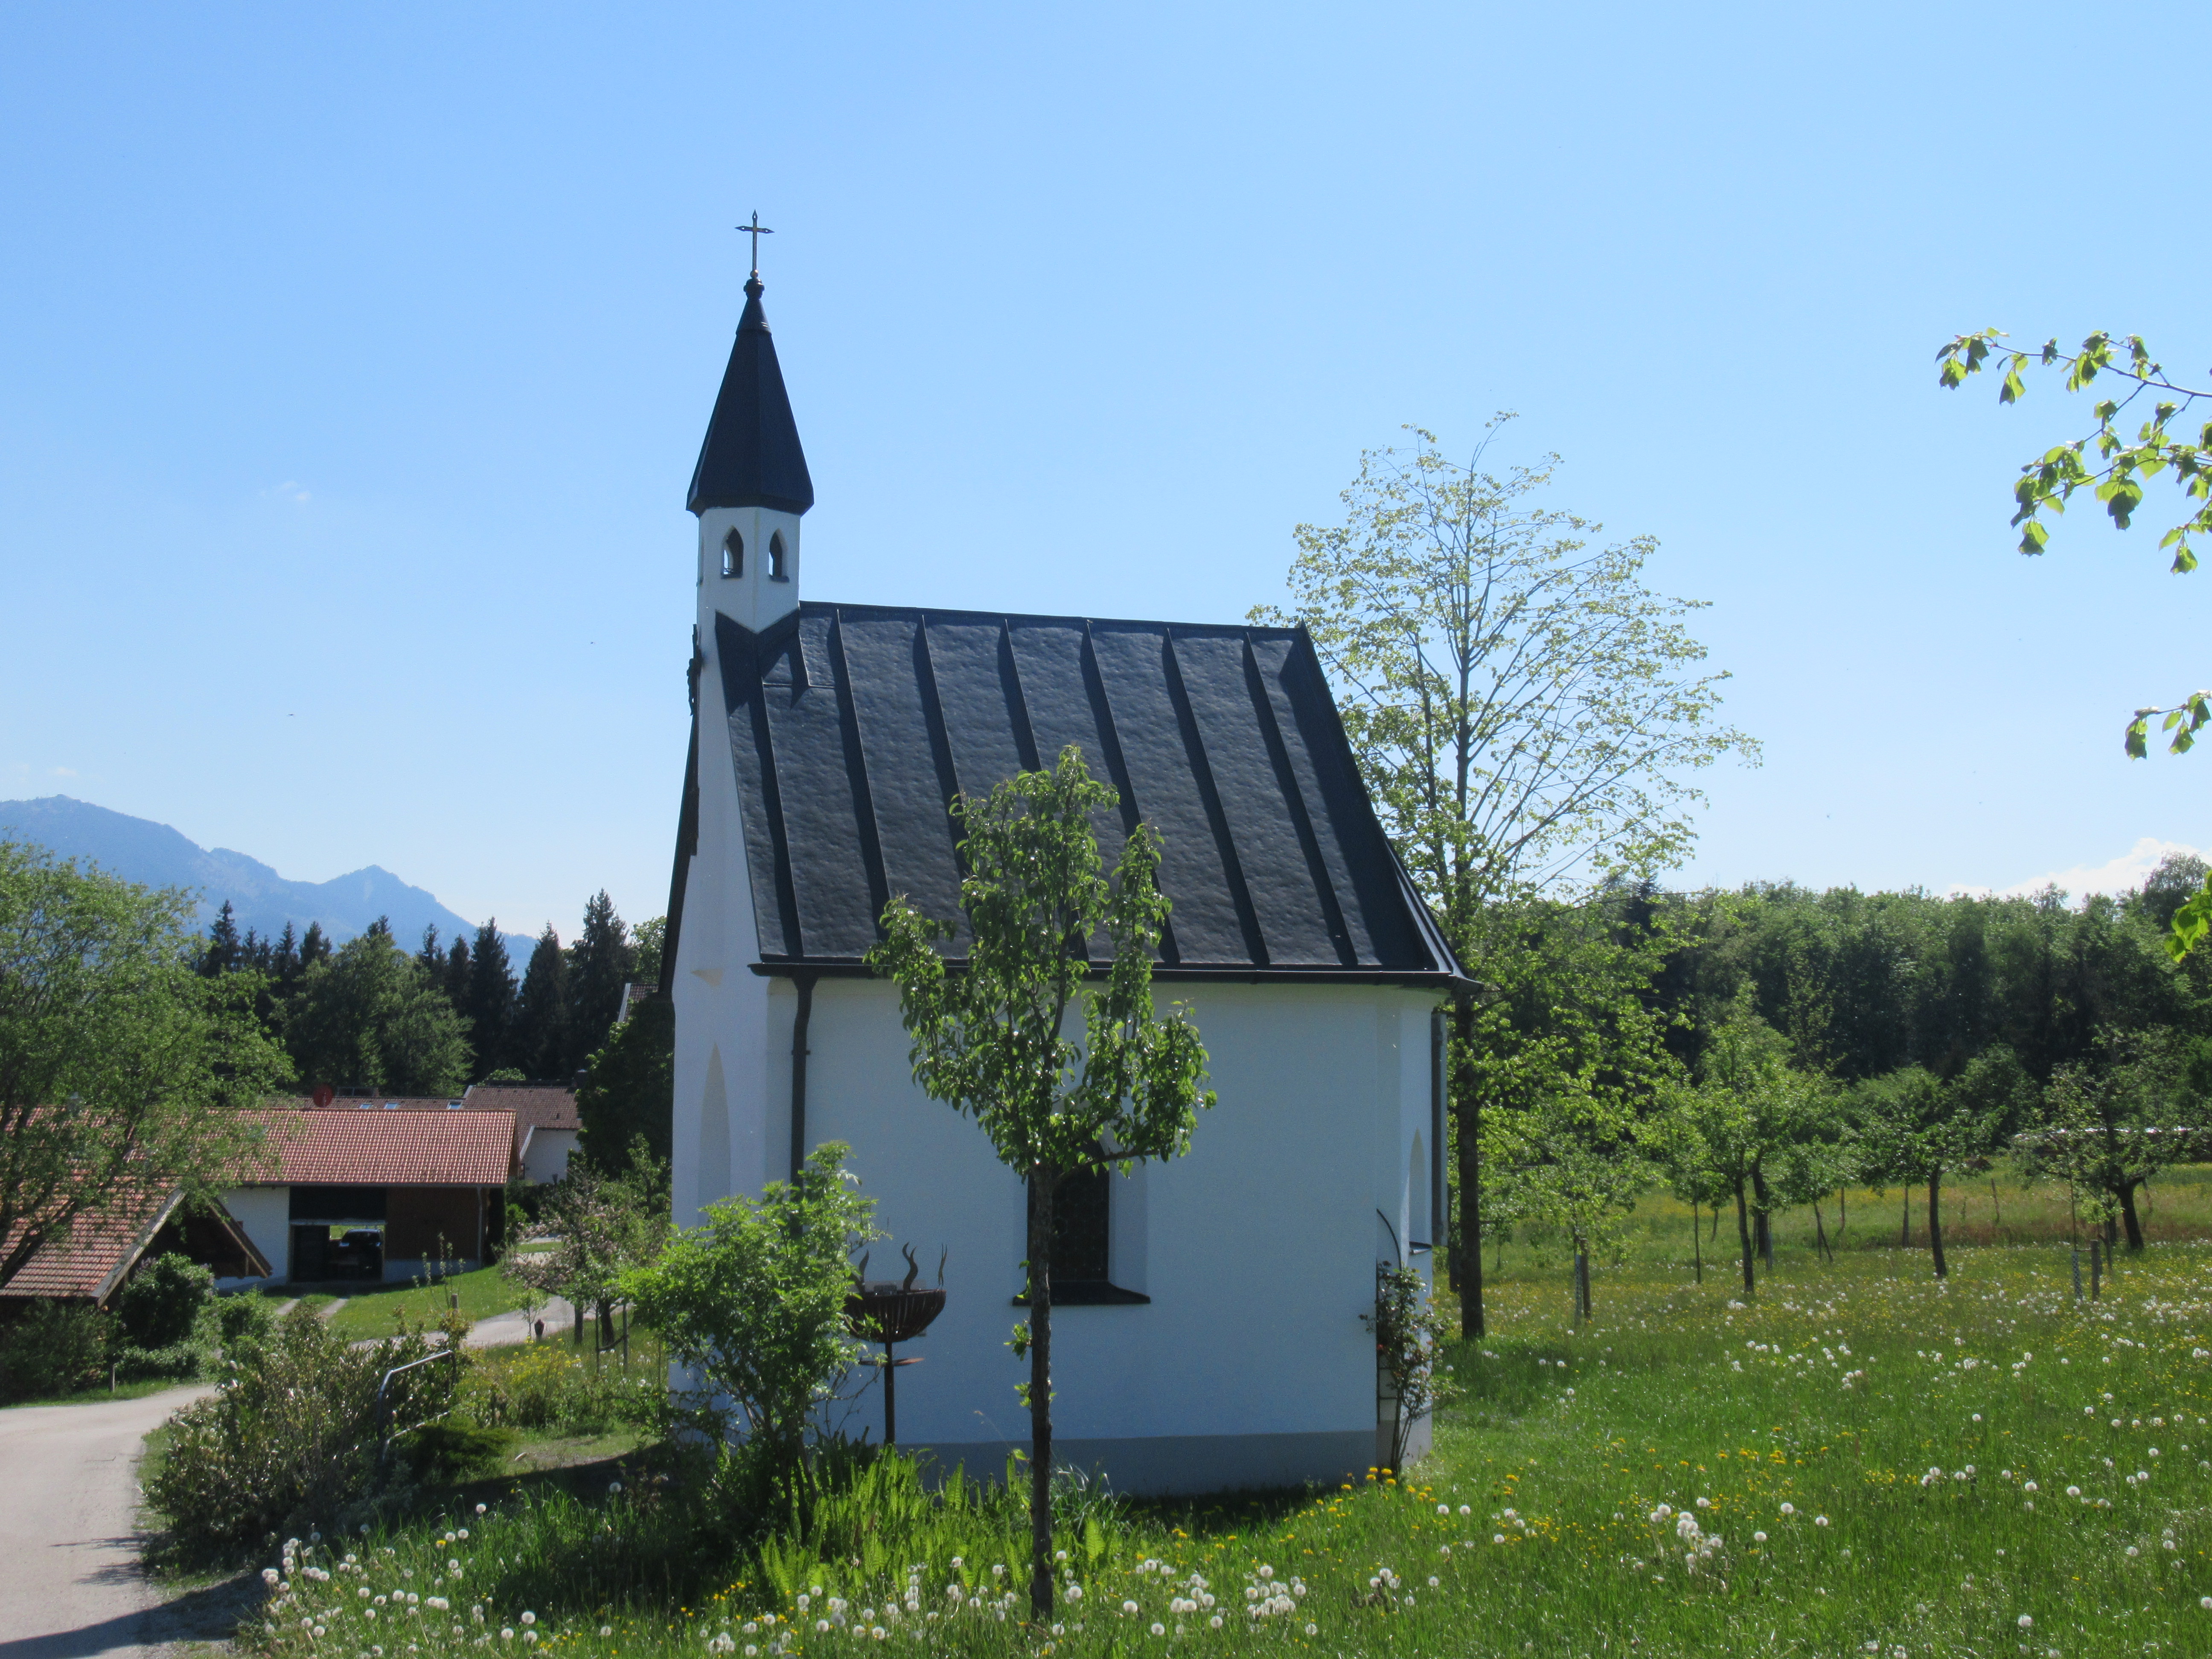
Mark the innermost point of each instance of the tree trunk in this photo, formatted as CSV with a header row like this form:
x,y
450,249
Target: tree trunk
x,y
1743,1236
2111,1233
1041,1195
1820,1235
1765,1225
1936,1221
2128,1214
1713,1237
1467,1127
1996,1211
606,1325
1697,1254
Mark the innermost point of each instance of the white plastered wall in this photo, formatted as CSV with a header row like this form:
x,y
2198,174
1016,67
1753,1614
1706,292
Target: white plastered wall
x,y
1258,1248
753,597
265,1215
721,1005
545,1154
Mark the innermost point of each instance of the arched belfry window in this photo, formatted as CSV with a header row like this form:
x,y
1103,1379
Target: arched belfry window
x,y
733,554
776,572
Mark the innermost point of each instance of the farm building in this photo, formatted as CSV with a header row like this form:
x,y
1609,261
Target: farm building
x,y
366,1190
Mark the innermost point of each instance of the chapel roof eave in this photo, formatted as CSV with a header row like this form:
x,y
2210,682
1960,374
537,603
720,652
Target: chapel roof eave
x,y
1181,974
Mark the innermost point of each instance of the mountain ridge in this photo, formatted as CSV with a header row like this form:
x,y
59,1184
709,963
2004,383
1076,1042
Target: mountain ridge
x,y
156,855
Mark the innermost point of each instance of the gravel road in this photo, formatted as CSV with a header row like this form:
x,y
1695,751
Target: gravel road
x,y
70,1586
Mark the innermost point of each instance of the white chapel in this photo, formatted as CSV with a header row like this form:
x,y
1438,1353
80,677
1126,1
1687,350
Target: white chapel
x,y
1207,1319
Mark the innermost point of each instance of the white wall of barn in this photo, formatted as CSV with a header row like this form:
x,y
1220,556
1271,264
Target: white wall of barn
x,y
264,1214
1257,1249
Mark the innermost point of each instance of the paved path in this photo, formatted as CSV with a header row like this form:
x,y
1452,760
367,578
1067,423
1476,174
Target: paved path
x,y
70,1586
508,1329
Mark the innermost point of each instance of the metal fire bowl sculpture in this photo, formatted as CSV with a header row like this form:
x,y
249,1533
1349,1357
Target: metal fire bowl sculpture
x,y
884,1310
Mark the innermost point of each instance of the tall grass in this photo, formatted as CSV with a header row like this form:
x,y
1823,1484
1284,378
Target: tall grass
x,y
1871,1462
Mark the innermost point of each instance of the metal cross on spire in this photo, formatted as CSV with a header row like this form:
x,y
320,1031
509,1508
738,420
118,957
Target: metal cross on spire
x,y
756,230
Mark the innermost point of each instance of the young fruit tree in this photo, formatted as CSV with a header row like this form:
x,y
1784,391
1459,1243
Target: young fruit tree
x,y
991,1036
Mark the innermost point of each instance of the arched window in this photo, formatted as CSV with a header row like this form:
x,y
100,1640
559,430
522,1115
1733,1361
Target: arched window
x,y
733,554
776,573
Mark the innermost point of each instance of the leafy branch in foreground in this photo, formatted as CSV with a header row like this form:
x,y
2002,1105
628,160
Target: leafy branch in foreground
x,y
2121,469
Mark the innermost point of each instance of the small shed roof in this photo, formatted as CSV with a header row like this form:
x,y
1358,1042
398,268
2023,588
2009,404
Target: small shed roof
x,y
346,1146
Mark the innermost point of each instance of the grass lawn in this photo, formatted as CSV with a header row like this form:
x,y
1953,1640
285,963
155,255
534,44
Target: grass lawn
x,y
372,1311
1857,1459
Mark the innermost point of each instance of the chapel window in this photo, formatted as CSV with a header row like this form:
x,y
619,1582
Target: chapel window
x,y
733,554
1081,1214
1082,1234
776,573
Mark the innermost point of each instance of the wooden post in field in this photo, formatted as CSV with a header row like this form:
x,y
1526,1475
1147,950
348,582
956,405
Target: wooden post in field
x,y
2096,1268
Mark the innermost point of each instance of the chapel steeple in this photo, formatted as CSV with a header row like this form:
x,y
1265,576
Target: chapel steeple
x,y
750,486
751,457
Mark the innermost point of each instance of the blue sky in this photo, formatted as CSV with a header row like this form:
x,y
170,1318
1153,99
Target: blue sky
x,y
355,360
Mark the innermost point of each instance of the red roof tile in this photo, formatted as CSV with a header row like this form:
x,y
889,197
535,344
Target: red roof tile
x,y
98,1250
349,1146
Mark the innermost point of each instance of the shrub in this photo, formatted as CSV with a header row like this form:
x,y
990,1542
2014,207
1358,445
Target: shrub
x,y
548,1388
177,1362
754,1302
447,1453
54,1348
237,1319
295,1434
162,1300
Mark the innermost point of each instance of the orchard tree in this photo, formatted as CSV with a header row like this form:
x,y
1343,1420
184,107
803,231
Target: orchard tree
x,y
595,1229
993,1040
121,1066
1524,709
2110,1124
1733,1129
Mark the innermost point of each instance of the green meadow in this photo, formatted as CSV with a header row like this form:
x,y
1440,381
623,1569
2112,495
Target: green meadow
x,y
1856,1459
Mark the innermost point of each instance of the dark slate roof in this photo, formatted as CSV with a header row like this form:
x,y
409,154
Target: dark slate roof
x,y
854,726
751,456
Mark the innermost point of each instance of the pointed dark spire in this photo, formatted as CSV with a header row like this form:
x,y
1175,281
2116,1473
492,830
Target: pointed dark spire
x,y
751,457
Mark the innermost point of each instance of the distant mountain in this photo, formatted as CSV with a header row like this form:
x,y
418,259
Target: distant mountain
x,y
155,855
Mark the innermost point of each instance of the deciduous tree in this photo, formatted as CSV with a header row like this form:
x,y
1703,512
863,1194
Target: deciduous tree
x,y
1525,709
121,1068
994,1041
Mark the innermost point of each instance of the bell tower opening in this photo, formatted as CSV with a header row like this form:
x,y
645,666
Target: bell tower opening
x,y
733,554
776,573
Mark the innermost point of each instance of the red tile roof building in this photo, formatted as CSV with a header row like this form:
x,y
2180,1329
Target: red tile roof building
x,y
349,1146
